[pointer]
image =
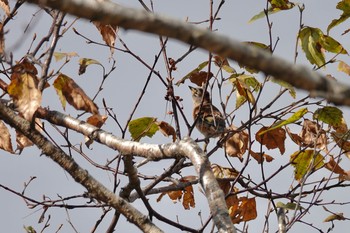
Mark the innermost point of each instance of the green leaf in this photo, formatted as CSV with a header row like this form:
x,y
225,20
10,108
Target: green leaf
x,y
199,68
141,127
331,45
310,43
295,117
305,161
329,115
313,41
344,6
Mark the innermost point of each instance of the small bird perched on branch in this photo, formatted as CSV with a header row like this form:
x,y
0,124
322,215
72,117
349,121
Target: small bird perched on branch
x,y
209,120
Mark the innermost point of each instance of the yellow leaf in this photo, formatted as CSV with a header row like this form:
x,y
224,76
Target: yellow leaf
x,y
84,62
288,206
342,66
332,217
313,42
305,161
59,56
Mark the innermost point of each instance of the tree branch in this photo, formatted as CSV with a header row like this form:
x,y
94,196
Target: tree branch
x,y
80,175
184,148
299,76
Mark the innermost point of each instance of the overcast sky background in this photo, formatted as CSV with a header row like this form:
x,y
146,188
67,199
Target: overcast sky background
x,y
121,92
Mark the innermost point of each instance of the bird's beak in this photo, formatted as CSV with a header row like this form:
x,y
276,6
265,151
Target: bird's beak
x,y
192,88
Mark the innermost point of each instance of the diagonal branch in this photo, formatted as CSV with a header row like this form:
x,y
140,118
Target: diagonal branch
x,y
299,76
184,148
80,175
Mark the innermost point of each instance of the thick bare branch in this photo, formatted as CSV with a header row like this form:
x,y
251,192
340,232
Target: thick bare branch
x,y
184,148
80,175
152,152
128,18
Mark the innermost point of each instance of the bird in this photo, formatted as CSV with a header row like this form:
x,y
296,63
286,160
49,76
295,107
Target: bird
x,y
209,120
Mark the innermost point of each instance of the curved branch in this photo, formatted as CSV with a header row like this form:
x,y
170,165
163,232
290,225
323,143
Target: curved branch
x,y
80,175
184,148
299,76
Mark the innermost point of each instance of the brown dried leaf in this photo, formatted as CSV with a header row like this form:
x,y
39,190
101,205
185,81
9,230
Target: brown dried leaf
x,y
241,209
268,158
69,91
166,129
295,137
26,96
200,77
5,138
337,216
188,198
4,4
272,139
96,120
237,145
333,166
345,176
341,140
22,141
312,134
223,63
186,194
341,128
109,33
224,175
223,172
261,157
175,195
244,90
